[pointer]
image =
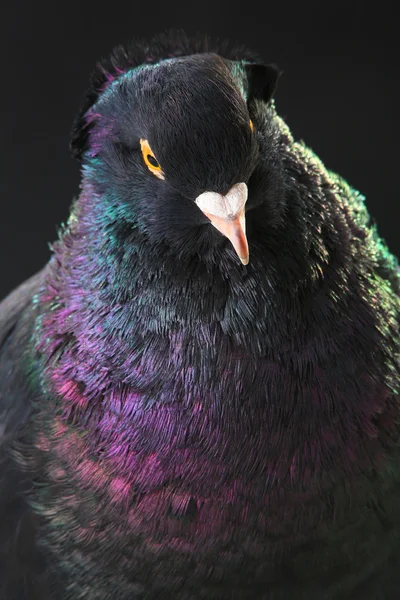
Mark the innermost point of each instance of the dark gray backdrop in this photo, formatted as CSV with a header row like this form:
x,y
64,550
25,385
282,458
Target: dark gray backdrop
x,y
339,93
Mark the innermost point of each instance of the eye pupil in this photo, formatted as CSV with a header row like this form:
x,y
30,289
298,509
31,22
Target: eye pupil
x,y
152,161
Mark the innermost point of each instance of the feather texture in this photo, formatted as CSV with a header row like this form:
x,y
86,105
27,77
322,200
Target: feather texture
x,y
181,425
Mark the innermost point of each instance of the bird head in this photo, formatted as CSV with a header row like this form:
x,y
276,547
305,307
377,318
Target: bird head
x,y
173,146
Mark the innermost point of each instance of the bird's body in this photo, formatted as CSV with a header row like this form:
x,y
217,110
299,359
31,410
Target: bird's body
x,y
176,424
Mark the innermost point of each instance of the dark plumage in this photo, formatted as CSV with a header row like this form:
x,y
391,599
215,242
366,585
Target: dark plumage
x,y
176,424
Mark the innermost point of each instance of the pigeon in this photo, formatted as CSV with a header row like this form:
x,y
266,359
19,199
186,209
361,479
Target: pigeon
x,y
199,393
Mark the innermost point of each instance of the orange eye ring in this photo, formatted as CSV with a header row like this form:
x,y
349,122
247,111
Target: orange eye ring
x,y
251,126
150,160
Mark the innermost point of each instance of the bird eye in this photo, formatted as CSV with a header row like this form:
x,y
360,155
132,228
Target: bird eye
x,y
150,160
251,126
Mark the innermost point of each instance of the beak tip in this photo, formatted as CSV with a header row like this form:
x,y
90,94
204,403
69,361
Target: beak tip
x,y
227,214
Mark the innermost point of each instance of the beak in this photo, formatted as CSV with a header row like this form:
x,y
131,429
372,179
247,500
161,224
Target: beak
x,y
226,213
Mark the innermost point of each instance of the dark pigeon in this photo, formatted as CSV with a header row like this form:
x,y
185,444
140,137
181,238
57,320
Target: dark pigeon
x,y
199,392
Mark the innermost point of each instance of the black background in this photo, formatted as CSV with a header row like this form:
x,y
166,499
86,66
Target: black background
x,y
339,92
